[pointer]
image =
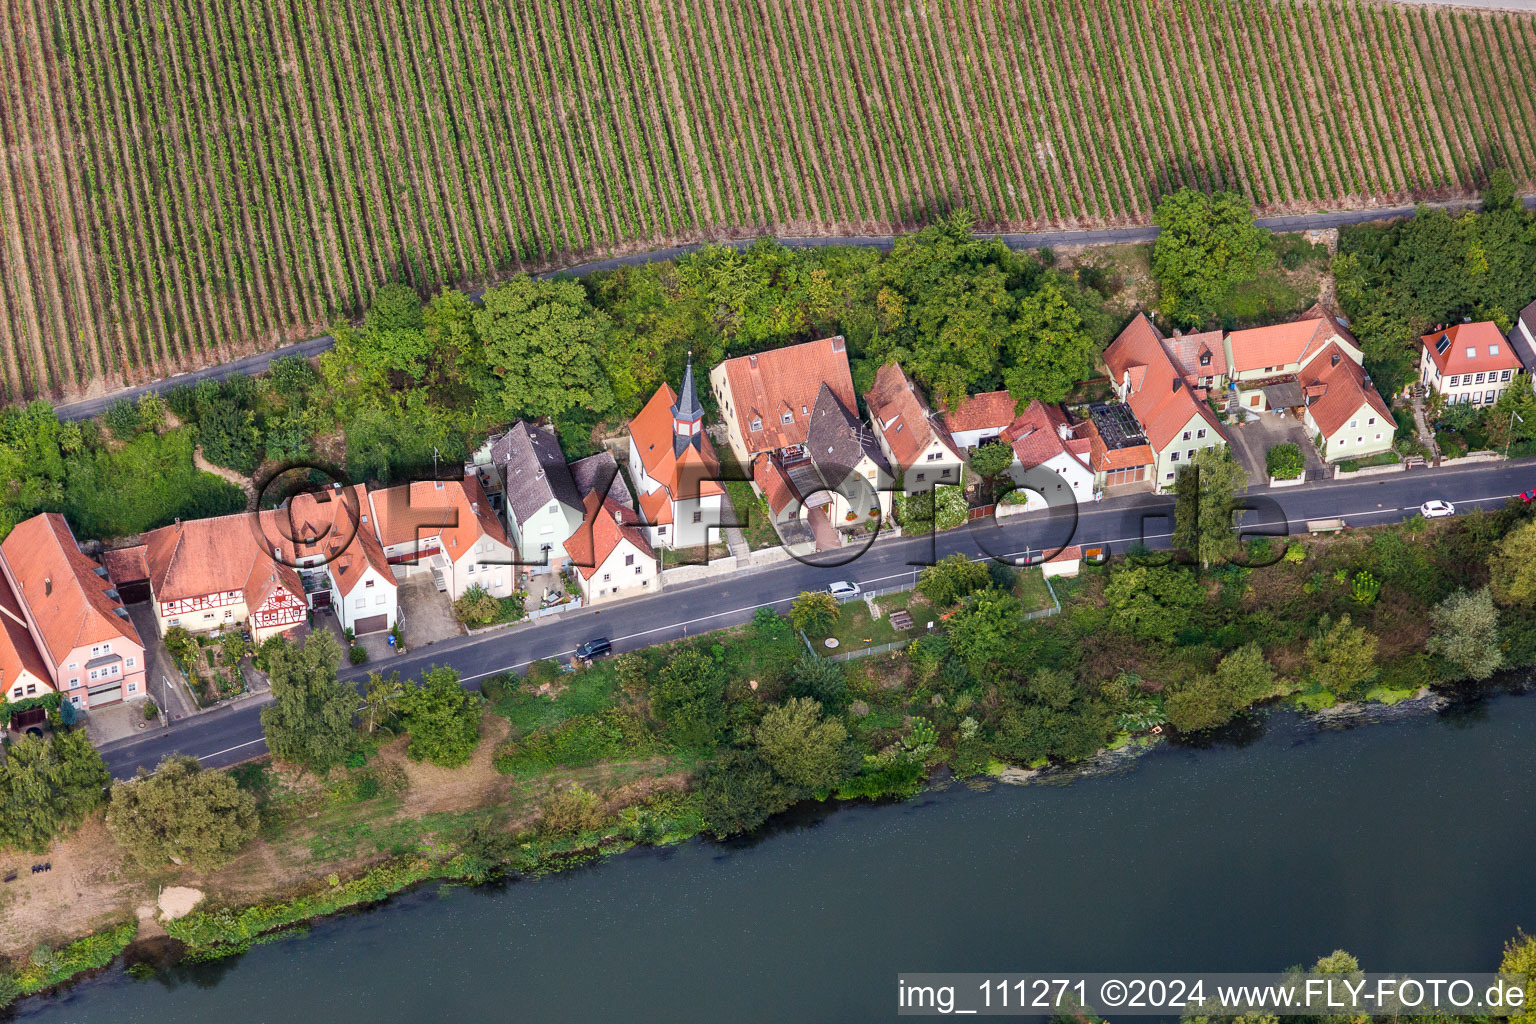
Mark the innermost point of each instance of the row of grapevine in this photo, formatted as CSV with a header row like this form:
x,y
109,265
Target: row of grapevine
x,y
181,182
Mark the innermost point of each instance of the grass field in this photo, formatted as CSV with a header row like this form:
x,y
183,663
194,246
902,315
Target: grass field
x,y
184,180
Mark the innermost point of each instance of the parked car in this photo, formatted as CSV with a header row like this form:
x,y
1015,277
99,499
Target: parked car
x,y
1436,508
597,647
1528,496
843,589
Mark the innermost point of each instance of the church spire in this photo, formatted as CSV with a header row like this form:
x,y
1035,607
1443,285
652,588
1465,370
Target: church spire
x,y
687,415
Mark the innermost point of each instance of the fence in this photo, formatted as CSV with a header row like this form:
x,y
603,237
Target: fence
x,y
862,652
555,609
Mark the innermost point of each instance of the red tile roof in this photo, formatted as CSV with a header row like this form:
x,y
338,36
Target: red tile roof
x,y
455,511
1103,458
18,652
211,556
1343,390
776,487
770,384
126,565
337,525
980,412
1037,436
1162,402
695,473
1188,350
1283,344
60,587
903,416
604,524
1490,349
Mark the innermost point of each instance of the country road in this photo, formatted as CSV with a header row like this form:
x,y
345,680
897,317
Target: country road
x,y
257,362
227,735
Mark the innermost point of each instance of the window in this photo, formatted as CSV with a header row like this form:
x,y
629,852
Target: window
x,y
788,417
1471,352
1189,454
1186,435
379,599
1371,422
1479,379
1359,439
1174,457
698,517
95,674
757,425
31,689
74,699
661,531
1352,424
934,456
944,472
1493,350
133,687
1378,437
607,577
1488,397
1453,381
75,681
1200,432
471,570
367,583
76,664
1477,398
1504,375
629,559
554,506
1168,477
920,477
131,661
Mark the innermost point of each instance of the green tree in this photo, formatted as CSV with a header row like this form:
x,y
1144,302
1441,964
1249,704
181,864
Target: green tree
x,y
1206,247
442,717
1209,700
737,791
821,680
1151,602
1052,718
382,698
1205,501
1466,633
1501,193
1520,958
805,749
183,814
990,462
542,343
1342,657
1512,566
987,632
1285,461
1046,347
938,508
815,612
310,719
688,697
951,578
48,785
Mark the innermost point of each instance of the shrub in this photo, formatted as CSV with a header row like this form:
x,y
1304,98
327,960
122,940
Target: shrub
x,y
1365,587
571,812
123,420
1296,554
821,680
477,607
357,655
1285,461
952,578
815,612
181,813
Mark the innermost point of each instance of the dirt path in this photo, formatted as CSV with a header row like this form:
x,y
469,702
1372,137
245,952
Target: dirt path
x,y
240,481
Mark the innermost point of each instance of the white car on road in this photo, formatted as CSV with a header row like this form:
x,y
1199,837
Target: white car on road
x,y
843,590
1436,508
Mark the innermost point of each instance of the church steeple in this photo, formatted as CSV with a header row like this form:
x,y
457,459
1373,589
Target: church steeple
x,y
687,415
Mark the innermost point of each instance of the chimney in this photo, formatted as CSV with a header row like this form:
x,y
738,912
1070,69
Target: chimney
x,y
838,344
752,361
47,585
1335,360
1178,382
617,517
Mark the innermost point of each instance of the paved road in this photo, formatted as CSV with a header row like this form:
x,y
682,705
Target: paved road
x,y
229,735
314,346
1528,6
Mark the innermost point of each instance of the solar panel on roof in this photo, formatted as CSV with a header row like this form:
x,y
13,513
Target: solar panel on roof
x,y
1443,344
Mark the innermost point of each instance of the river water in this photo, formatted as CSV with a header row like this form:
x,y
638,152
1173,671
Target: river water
x,y
1407,843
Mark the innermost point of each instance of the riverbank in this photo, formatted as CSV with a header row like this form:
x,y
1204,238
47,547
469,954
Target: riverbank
x,y
576,766
1109,869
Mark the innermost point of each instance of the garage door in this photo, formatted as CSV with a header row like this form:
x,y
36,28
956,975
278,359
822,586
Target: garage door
x,y
372,624
106,693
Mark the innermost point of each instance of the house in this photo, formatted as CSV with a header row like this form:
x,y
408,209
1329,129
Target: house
x,y
1051,455
209,575
526,469
1264,363
675,468
612,556
329,537
979,419
840,473
914,440
766,399
1202,358
1522,338
62,628
1343,410
1468,363
447,528
1311,368
1168,424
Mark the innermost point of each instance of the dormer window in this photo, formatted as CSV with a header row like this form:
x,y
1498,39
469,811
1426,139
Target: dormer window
x,y
788,417
757,425
1205,358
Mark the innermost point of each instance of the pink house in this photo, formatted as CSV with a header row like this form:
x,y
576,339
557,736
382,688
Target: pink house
x,y
64,628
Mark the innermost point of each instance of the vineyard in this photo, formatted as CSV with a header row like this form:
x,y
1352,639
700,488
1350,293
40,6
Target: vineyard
x,y
183,181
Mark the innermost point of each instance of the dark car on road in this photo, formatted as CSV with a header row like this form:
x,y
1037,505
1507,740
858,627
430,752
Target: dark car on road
x,y
598,647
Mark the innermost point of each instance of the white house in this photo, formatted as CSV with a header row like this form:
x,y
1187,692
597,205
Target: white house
x,y
675,468
1468,363
448,528
612,556
329,538
1051,463
914,440
541,501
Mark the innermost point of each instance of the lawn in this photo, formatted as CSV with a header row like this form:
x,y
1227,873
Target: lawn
x,y
585,692
1032,590
751,511
702,555
856,629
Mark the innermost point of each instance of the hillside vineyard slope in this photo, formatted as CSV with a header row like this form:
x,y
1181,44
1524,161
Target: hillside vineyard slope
x,y
185,181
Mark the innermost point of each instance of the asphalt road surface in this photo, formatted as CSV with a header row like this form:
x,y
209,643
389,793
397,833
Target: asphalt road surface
x,y
229,735
258,362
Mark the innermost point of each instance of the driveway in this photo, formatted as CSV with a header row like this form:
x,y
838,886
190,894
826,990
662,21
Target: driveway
x,y
1251,442
426,614
162,678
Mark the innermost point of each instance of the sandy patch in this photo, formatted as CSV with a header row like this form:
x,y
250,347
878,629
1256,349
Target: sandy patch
x,y
92,884
178,901
431,789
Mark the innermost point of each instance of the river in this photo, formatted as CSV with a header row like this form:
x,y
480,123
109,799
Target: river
x,y
1407,843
